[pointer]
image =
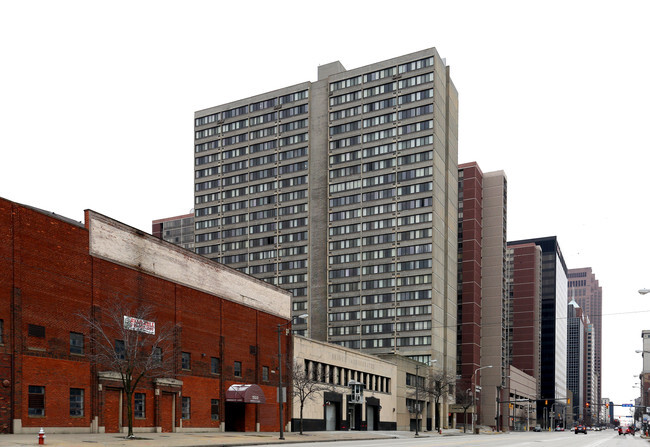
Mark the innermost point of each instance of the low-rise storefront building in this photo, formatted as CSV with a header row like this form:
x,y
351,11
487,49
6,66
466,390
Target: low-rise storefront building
x,y
355,391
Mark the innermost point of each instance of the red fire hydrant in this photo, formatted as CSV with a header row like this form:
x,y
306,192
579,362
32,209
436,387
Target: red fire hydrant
x,y
41,436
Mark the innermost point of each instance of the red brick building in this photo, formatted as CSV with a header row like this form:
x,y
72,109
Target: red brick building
x,y
53,269
525,303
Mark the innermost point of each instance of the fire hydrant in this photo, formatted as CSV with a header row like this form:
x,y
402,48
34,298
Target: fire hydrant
x,y
41,436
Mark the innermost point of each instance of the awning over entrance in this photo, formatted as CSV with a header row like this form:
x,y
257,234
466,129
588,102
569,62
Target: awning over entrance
x,y
248,393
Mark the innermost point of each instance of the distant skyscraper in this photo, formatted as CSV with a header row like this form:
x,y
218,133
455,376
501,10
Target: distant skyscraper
x,y
178,230
585,289
591,379
552,376
343,191
576,358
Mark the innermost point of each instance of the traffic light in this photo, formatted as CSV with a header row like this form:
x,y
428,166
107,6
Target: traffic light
x,y
546,402
587,404
568,401
607,405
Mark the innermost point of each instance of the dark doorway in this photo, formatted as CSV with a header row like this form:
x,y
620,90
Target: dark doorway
x,y
235,416
355,417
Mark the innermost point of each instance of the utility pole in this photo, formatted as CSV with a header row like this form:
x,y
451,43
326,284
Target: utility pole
x,y
417,399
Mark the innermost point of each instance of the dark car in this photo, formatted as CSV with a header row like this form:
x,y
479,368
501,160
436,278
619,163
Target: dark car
x,y
581,429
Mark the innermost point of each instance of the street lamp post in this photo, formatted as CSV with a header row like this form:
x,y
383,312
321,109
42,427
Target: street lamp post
x,y
280,397
474,394
417,399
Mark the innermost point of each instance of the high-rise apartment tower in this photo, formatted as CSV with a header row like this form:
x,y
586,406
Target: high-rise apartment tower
x,y
343,191
482,285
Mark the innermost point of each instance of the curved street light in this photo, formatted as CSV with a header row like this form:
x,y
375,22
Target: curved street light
x,y
644,291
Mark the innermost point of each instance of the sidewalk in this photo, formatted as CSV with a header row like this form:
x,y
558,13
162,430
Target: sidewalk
x,y
206,439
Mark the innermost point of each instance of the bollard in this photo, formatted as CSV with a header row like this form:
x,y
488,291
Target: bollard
x,y
440,430
41,437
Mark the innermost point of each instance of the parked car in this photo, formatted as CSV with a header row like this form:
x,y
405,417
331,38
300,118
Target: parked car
x,y
537,428
581,429
559,428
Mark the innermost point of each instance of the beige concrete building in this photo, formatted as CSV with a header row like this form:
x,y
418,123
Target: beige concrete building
x,y
411,381
344,192
335,405
522,400
494,296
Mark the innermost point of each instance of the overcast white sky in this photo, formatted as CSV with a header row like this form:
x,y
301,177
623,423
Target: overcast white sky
x,y
97,102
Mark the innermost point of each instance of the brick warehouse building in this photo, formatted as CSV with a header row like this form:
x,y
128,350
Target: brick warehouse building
x,y
52,269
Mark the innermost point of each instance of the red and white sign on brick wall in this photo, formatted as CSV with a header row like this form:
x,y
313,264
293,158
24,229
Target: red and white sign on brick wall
x,y
136,324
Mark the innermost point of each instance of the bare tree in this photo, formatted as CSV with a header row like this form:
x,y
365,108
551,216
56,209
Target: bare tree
x,y
124,339
438,386
465,399
306,386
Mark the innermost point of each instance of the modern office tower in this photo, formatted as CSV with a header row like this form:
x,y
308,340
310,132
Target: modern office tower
x,y
178,230
343,191
552,375
576,356
585,289
482,287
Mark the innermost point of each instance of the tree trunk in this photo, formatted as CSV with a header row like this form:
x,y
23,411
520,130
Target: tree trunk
x,y
129,412
301,407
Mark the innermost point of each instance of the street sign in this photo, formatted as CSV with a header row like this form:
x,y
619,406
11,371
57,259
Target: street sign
x,y
627,405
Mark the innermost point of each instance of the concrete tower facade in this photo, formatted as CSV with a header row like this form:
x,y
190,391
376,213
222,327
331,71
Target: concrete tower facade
x,y
343,191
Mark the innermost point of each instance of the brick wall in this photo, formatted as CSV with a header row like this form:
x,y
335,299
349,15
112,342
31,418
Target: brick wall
x,y
48,278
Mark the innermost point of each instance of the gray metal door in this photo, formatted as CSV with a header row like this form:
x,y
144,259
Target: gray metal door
x,y
330,417
370,417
